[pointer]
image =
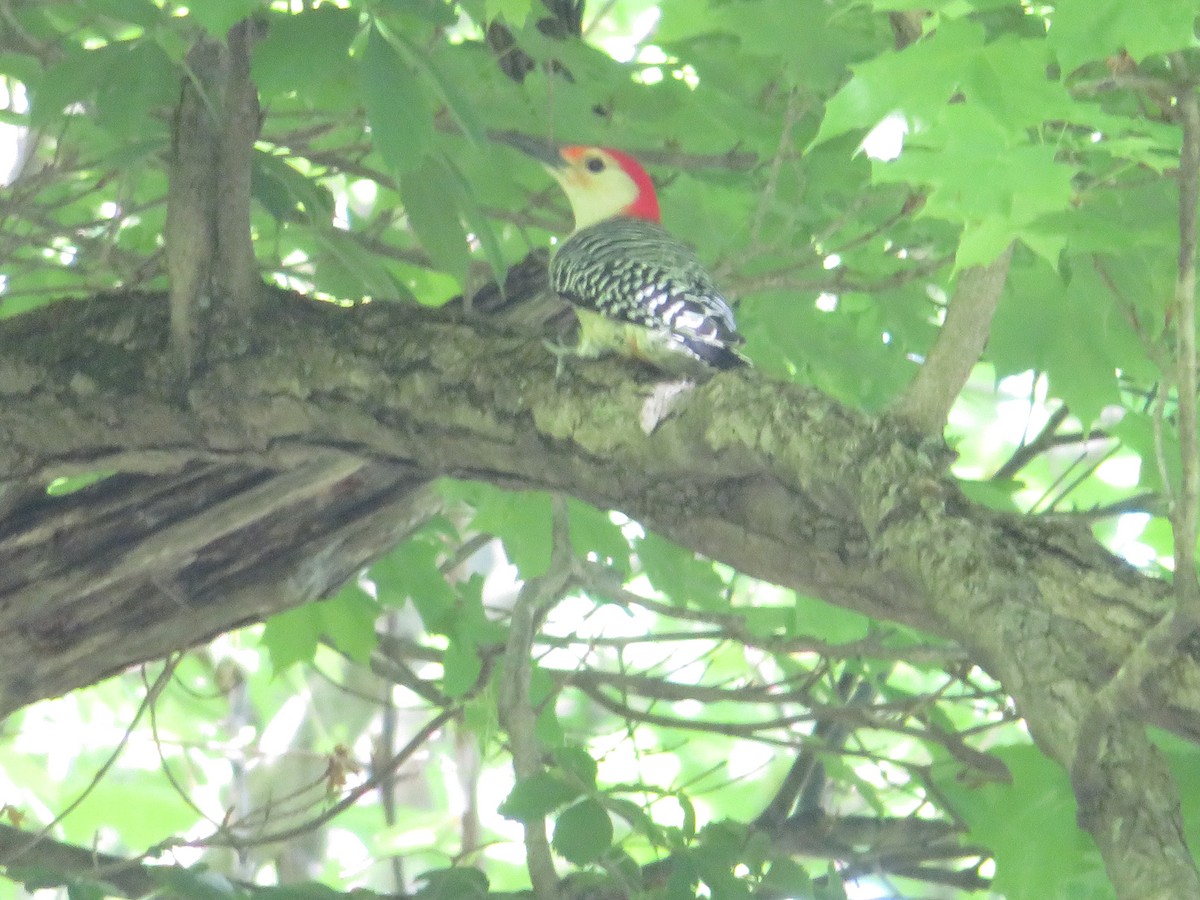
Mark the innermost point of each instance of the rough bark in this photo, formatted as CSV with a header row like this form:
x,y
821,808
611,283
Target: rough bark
x,y
301,459
209,248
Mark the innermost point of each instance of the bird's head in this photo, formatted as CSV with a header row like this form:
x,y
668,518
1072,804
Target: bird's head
x,y
599,182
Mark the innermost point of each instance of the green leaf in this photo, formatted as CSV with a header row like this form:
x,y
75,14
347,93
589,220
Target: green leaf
x,y
833,888
371,275
583,832
196,883
787,878
828,622
138,84
820,50
412,571
1029,826
302,49
456,883
522,521
35,878
593,533
1082,364
87,890
720,846
1023,183
537,797
1008,82
397,109
218,16
137,12
348,621
681,884
457,103
680,574
310,890
993,494
1029,319
71,78
515,12
286,193
292,636
461,666
440,14
60,487
433,216
577,763
479,222
917,82
1080,32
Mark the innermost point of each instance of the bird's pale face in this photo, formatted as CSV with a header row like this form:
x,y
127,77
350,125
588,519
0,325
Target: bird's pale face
x,y
595,183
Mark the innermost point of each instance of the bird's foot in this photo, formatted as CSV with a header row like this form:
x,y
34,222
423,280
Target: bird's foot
x,y
561,352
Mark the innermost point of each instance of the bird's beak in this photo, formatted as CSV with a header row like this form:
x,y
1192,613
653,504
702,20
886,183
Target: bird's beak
x,y
545,152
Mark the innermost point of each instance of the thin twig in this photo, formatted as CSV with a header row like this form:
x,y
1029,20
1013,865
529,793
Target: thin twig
x,y
1025,454
791,115
163,679
166,766
351,797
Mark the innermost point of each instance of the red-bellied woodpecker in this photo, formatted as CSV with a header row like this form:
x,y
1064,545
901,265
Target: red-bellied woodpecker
x,y
637,290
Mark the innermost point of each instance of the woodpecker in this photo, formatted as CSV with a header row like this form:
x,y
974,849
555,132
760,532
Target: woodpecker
x,y
637,291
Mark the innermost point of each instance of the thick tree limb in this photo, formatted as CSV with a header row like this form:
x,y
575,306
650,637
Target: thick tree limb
x,y
773,479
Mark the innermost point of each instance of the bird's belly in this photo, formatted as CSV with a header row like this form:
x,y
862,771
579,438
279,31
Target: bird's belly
x,y
600,336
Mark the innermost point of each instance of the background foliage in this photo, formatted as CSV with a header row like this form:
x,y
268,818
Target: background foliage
x,y
366,741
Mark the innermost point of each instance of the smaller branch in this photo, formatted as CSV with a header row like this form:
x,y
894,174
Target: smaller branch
x,y
152,693
1145,502
1184,512
599,17
165,764
749,731
733,161
1087,471
840,283
351,797
926,402
1026,453
517,716
122,877
595,579
791,116
801,790
883,227
388,732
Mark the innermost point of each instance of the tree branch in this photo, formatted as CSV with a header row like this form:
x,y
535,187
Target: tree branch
x,y
516,714
926,402
773,479
1186,507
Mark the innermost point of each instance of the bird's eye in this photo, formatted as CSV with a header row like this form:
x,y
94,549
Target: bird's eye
x,y
595,164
